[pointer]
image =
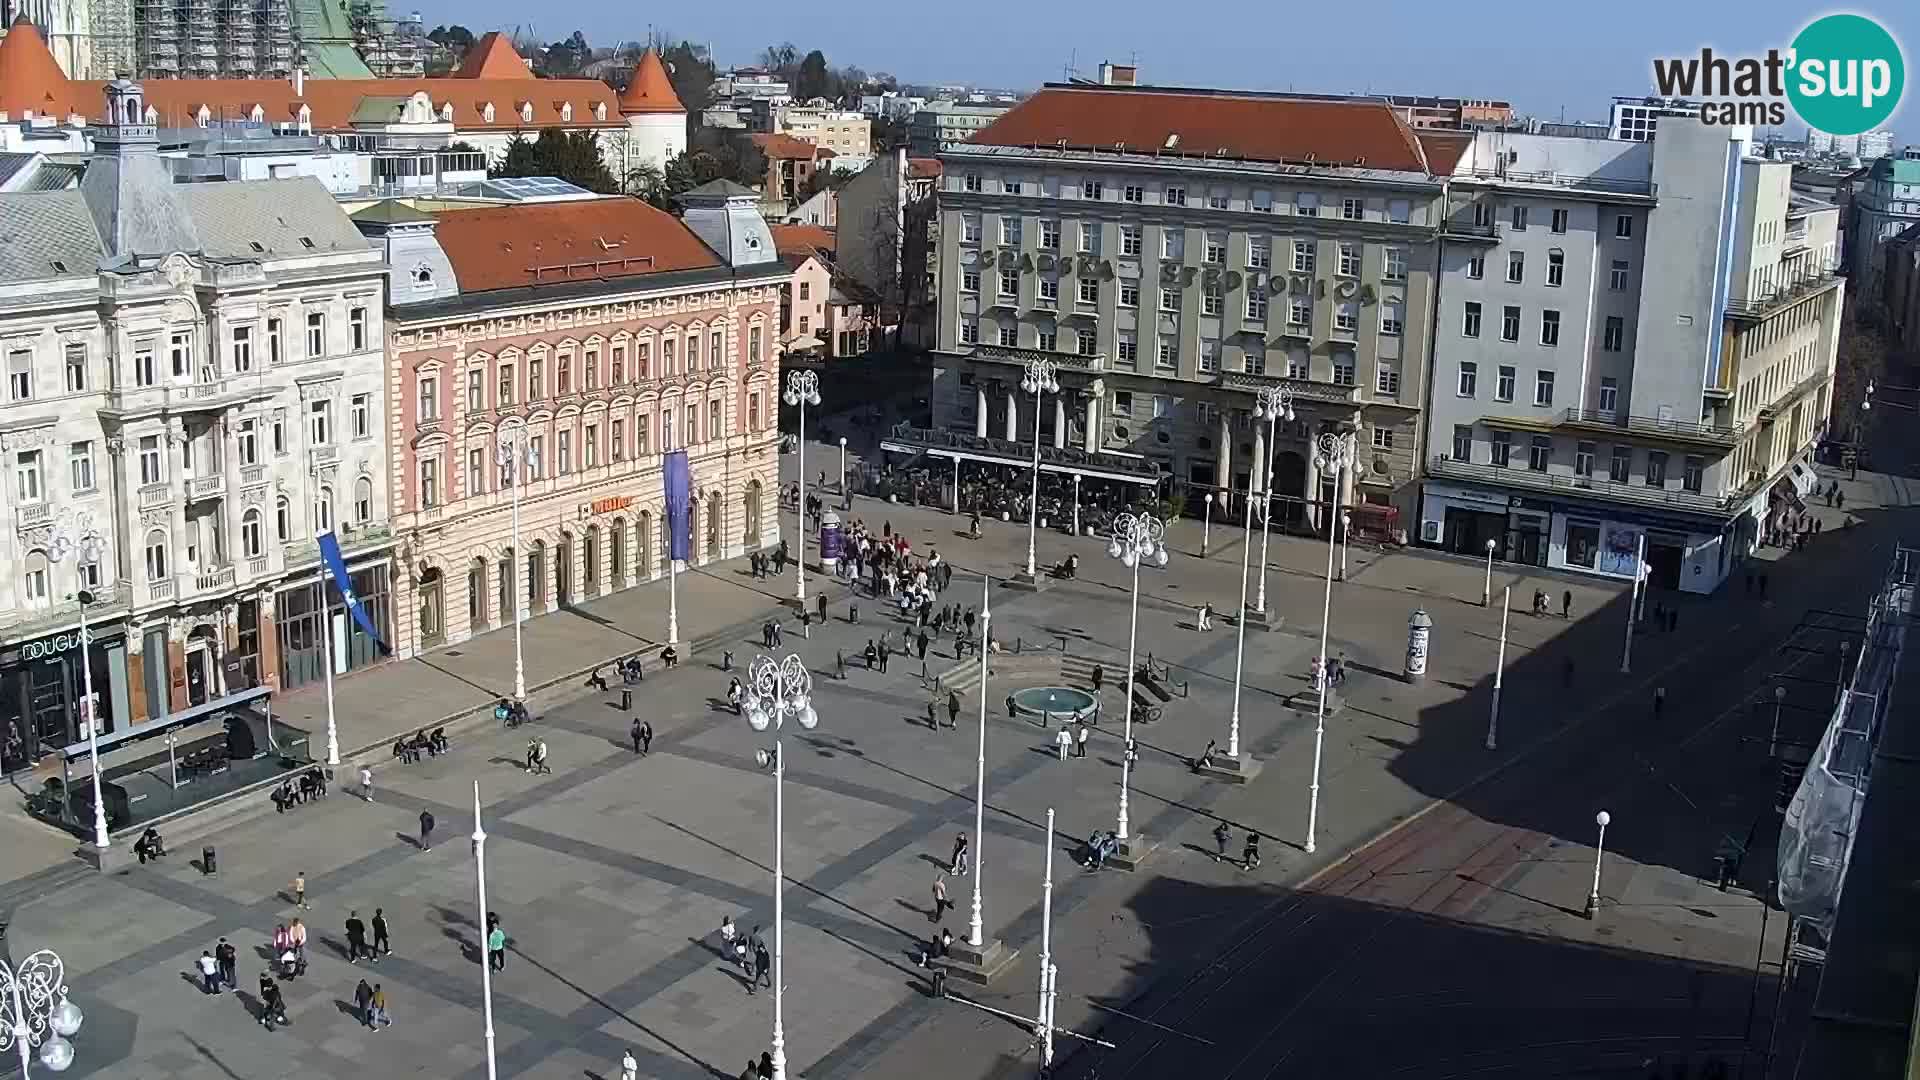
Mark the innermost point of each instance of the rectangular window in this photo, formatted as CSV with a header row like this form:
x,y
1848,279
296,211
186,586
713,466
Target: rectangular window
x,y
1609,393
1090,189
1010,231
357,328
1009,283
1009,337
1167,357
1387,381
1133,193
1391,317
1173,243
242,349
316,334
1519,217
641,446
28,485
1539,453
1169,300
76,355
273,341
429,400
1623,226
1127,349
643,359
1556,267
1483,213
619,365
1089,238
1217,248
476,471
20,375
1615,334
1089,290
248,441
1543,389
970,281
476,390
1583,459
1050,235
1510,323
1256,305
1346,317
1393,264
1303,256
1129,294
80,467
362,412
1212,301
1470,319
1086,341
969,331
1348,264
1656,467
971,182
1502,448
1262,201
153,467
1049,295
1260,254
429,482
1620,466
180,352
1549,327
1693,473
1306,204
1209,355
1617,276
590,446
1123,402
1462,442
1382,437
1560,220
1399,211
280,448
1469,378
1516,266
693,425
1217,199
319,423
1253,360
1504,383
1352,209
537,379
617,433
969,229
1476,267
1130,240
1175,196
1047,340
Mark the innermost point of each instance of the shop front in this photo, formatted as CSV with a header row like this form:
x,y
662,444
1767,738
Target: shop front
x,y
1461,519
42,685
303,613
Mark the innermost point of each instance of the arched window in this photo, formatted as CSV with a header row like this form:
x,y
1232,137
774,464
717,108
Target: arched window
x,y
156,555
323,509
363,500
252,541
423,277
282,519
38,571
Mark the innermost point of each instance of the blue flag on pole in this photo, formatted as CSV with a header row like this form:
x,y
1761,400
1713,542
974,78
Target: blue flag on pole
x,y
679,485
337,570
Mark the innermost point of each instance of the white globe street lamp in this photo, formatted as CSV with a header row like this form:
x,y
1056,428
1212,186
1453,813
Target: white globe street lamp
x,y
1486,588
1039,379
514,461
486,969
36,1012
1602,819
1333,453
1136,539
76,540
1272,404
803,389
777,691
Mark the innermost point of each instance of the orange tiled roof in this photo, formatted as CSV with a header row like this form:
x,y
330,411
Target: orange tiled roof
x,y
31,79
504,247
1256,127
492,57
923,168
1443,149
786,147
802,239
650,90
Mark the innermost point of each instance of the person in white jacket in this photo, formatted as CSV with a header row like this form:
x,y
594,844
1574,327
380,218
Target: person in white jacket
x,y
629,1068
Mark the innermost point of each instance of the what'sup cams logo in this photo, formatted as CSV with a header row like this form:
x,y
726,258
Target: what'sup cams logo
x,y
1842,75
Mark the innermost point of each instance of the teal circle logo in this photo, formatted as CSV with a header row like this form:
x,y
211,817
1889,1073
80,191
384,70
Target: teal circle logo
x,y
1847,74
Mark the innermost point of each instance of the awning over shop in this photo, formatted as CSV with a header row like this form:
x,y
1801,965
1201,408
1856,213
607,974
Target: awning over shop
x,y
1068,461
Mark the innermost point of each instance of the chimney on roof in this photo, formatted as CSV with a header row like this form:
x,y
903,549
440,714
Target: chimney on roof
x,y
1112,74
300,81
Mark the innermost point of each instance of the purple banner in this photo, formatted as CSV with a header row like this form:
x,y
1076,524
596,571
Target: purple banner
x,y
679,489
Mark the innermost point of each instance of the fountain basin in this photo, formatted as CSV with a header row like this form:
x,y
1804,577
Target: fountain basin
x,y
1060,703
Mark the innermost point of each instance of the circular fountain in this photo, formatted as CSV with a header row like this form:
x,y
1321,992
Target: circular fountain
x,y
1061,703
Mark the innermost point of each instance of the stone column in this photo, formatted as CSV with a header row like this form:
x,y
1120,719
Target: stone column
x,y
1059,422
980,411
1262,466
1013,414
1223,451
176,450
232,507
1096,397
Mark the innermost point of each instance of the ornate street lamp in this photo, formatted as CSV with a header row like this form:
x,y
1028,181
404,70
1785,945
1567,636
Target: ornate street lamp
x,y
36,1012
803,389
1039,379
1136,539
777,691
1333,453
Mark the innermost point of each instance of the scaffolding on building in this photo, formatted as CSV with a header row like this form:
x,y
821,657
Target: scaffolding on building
x,y
251,39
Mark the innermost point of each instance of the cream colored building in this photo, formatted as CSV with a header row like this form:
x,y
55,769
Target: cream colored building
x,y
845,132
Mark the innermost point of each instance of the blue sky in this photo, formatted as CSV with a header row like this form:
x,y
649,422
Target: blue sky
x,y
1542,55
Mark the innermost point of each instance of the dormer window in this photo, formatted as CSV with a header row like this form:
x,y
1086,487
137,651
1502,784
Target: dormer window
x,y
599,110
203,116
257,114
306,118
566,112
486,112
153,115
422,277
526,112
446,113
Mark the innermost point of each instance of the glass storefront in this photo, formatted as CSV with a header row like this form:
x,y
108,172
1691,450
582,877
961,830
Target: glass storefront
x,y
304,612
41,687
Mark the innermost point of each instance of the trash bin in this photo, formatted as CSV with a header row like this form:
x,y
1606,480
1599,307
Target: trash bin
x,y
207,860
939,982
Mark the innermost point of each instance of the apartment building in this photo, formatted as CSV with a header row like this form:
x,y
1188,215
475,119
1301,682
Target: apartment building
x,y
888,240
193,393
942,124
597,336
848,133
1175,251
1635,341
1637,119
1422,113
1886,202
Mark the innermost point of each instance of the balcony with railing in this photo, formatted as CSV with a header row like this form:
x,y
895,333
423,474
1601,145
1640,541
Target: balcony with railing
x,y
1248,382
1760,308
1003,354
1585,487
213,579
1622,187
33,514
154,495
1018,452
1699,432
353,540
207,487
1462,228
109,603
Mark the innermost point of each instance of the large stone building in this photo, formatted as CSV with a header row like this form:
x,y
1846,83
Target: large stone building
x,y
1635,339
194,390
1175,251
1886,203
598,334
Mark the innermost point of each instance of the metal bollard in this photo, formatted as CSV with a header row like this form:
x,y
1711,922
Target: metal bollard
x,y
207,856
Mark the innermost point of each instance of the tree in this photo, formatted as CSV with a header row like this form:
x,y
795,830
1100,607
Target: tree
x,y
649,182
779,59
811,81
566,58
573,156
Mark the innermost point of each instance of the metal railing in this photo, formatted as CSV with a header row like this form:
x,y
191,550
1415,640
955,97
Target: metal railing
x,y
1761,307
218,577
1577,181
1019,452
1442,465
34,514
1655,425
152,495
201,487
1003,354
160,590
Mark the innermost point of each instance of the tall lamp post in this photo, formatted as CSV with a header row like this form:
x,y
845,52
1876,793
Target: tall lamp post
x,y
803,389
1486,589
1334,453
778,690
975,933
1272,404
1136,538
1499,670
1039,379
513,460
846,497
81,543
486,969
1602,819
1206,520
36,1012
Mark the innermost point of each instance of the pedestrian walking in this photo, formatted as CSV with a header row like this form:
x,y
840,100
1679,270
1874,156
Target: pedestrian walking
x,y
953,708
1250,852
1080,733
885,651
366,783
381,1016
1566,603
940,901
1221,834
299,889
634,732
1204,620
228,958
382,943
497,948
297,937
209,972
1659,701
762,965
765,1068
356,938
958,864
933,714
272,1006
1099,676
766,634
646,737
363,1002
629,1068
426,830
921,644
1062,742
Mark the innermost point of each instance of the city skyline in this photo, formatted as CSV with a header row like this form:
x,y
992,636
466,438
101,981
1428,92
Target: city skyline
x,y
1424,51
